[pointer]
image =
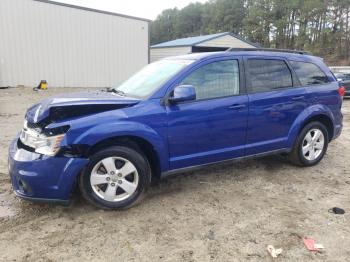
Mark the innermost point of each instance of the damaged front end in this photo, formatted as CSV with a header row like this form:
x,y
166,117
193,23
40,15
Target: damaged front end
x,y
44,159
41,140
37,136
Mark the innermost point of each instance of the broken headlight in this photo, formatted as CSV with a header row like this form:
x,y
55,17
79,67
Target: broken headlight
x,y
46,142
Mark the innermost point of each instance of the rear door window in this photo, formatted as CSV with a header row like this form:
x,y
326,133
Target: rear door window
x,y
309,74
267,75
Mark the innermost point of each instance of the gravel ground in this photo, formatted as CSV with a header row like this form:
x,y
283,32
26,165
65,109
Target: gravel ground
x,y
226,212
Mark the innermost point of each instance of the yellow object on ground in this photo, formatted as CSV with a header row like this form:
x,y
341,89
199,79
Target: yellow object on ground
x,y
43,85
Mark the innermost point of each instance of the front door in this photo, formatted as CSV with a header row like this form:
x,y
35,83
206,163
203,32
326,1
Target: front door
x,y
212,127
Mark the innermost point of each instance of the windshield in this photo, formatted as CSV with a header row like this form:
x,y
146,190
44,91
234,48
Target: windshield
x,y
151,78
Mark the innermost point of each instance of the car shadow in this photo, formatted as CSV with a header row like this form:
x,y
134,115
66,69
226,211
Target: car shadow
x,y
228,172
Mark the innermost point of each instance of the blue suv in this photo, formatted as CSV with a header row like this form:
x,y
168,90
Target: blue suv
x,y
176,114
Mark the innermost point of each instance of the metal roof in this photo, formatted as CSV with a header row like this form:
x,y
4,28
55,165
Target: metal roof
x,y
192,41
92,10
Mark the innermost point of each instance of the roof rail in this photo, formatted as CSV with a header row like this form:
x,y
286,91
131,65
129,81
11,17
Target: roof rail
x,y
269,50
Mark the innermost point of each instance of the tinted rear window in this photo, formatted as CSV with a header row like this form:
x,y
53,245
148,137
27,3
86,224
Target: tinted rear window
x,y
266,75
309,74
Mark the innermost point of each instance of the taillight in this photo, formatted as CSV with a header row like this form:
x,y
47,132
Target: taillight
x,y
341,91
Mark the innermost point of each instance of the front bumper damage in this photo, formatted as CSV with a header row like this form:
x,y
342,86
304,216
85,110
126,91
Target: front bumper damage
x,y
43,178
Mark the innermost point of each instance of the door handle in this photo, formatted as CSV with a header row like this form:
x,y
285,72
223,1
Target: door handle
x,y
237,106
298,98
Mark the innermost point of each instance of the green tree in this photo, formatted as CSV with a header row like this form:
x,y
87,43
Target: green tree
x,y
319,26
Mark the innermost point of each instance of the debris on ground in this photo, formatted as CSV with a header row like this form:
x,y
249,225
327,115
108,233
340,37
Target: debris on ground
x,y
337,210
318,246
311,244
273,251
210,235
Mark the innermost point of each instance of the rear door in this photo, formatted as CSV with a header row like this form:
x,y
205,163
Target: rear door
x,y
275,101
213,127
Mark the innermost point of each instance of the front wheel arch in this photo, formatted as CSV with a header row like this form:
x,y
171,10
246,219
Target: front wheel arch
x,y
139,144
143,173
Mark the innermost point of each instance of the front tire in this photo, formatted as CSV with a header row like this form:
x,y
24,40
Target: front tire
x,y
311,145
115,178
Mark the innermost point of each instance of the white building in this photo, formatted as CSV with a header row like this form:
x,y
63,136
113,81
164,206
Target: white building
x,y
68,46
203,43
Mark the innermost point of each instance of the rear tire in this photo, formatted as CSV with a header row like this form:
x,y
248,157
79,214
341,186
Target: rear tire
x,y
115,178
310,146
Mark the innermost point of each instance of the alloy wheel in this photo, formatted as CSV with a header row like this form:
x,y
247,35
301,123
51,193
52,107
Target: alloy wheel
x,y
114,179
313,144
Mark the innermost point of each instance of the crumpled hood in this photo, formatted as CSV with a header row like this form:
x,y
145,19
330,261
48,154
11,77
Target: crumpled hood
x,y
75,104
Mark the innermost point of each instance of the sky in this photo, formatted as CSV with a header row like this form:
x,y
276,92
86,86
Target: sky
x,y
141,8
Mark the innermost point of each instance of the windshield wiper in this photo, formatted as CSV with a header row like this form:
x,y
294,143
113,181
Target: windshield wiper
x,y
116,91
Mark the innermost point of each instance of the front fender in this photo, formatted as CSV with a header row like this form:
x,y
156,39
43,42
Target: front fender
x,y
304,117
104,131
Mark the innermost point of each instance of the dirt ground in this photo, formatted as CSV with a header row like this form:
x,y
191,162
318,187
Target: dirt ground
x,y
227,212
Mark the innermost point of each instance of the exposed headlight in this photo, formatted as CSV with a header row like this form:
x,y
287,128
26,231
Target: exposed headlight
x,y
40,142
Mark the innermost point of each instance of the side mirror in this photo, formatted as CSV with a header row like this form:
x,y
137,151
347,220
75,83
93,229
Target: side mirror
x,y
183,93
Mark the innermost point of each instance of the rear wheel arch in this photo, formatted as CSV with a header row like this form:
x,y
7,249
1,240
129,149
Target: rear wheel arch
x,y
310,146
323,119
